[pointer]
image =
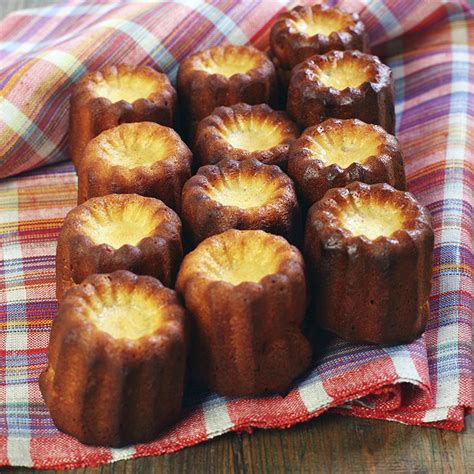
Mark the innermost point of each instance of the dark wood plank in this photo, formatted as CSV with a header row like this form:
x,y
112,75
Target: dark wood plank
x,y
331,443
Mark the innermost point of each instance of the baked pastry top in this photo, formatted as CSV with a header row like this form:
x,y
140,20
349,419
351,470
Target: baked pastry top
x,y
118,231
113,95
338,152
240,195
342,84
242,132
116,360
224,75
143,158
380,236
308,30
246,291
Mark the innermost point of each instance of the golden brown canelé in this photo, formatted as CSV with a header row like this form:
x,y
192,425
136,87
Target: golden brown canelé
x,y
308,30
143,158
224,75
116,360
246,291
118,94
241,195
118,232
338,152
245,131
368,251
342,84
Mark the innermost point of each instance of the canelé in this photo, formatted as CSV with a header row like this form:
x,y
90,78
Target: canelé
x,y
118,232
246,291
143,158
116,360
113,95
342,84
241,195
338,152
242,132
368,253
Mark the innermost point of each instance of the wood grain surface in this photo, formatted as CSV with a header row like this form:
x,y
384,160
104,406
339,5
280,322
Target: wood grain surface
x,y
330,443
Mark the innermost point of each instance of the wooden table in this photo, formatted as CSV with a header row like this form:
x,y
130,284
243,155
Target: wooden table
x,y
329,443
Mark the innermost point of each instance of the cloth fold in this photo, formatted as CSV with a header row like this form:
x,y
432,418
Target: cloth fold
x,y
44,51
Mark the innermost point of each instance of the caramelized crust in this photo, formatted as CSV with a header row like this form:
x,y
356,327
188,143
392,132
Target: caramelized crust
x,y
142,158
338,152
116,360
118,94
368,250
224,75
308,30
242,131
342,84
118,232
246,291
241,195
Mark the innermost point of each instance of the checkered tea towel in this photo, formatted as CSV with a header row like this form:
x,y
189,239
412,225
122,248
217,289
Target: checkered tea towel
x,y
44,51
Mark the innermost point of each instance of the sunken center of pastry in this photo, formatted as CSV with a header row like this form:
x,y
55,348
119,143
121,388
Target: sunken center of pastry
x,y
129,314
121,224
346,72
323,23
371,218
132,146
345,145
128,87
229,64
251,134
246,256
243,191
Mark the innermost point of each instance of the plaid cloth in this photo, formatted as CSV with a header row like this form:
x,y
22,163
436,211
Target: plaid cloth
x,y
43,51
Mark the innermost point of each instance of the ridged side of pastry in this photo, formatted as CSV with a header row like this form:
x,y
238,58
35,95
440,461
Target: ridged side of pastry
x,y
342,84
370,288
111,391
242,132
142,158
224,75
308,30
337,152
97,105
246,291
84,249
241,195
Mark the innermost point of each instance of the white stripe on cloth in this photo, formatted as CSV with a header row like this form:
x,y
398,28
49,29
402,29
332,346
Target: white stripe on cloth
x,y
15,119
216,418
314,395
147,41
436,414
18,448
64,61
403,363
122,453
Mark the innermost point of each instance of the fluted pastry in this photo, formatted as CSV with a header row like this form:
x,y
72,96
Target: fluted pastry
x,y
116,360
118,232
118,94
242,132
241,195
246,291
369,250
143,158
224,75
338,152
342,84
308,30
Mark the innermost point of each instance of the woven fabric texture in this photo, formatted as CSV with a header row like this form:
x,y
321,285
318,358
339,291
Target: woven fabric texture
x,y
44,51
